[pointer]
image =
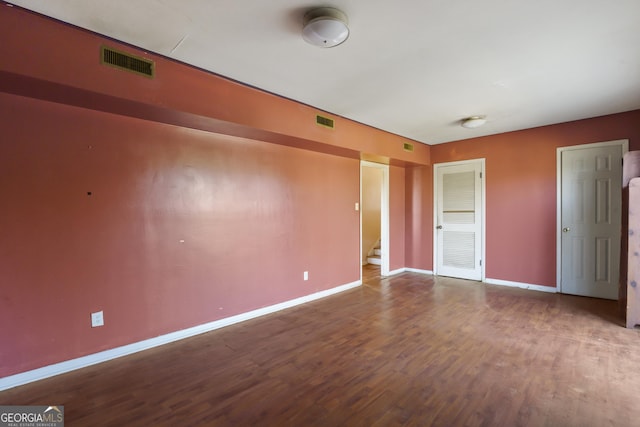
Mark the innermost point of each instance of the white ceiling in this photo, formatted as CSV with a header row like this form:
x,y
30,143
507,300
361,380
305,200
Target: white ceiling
x,y
411,67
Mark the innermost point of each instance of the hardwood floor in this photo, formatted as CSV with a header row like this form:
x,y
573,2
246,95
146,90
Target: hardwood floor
x,y
411,350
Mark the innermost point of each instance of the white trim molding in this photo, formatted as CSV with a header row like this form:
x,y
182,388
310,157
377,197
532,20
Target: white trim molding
x,y
521,285
104,356
419,271
410,270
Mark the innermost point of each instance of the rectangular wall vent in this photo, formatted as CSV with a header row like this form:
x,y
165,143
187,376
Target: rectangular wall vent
x,y
408,147
127,62
324,121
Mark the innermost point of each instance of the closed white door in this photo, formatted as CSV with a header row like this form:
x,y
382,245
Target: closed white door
x,y
459,212
591,190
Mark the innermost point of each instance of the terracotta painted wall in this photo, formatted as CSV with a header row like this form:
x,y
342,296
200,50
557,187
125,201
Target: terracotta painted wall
x,y
521,190
396,218
182,227
198,209
419,218
57,62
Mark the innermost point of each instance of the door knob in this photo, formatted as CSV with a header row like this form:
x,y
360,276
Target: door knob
x,y
439,227
566,230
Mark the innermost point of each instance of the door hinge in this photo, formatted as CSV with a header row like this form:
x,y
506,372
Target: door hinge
x,y
480,175
480,263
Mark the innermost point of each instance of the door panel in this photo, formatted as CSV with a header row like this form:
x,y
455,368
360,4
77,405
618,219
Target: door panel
x,y
459,220
458,249
591,189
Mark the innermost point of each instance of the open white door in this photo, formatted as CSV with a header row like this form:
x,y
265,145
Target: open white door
x,y
590,193
459,219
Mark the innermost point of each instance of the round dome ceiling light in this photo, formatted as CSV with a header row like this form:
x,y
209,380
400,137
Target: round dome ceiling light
x,y
473,122
325,27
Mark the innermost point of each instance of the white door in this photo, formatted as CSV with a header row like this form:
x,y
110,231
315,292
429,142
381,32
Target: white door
x,y
458,219
591,189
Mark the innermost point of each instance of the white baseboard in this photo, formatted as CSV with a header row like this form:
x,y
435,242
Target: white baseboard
x,y
417,270
521,285
409,270
103,356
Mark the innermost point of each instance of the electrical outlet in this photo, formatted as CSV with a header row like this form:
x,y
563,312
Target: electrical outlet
x,y
305,275
357,206
97,319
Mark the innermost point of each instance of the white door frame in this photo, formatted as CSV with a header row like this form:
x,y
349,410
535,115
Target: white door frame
x,y
624,143
483,257
384,217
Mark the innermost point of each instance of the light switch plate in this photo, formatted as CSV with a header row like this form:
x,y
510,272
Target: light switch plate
x,y
97,319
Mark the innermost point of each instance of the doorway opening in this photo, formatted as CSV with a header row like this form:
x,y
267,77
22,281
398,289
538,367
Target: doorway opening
x,y
374,218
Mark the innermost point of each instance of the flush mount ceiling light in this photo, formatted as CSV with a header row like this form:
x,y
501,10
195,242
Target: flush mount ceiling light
x,y
473,122
325,27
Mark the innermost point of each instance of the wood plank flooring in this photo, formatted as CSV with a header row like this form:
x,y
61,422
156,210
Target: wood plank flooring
x,y
411,350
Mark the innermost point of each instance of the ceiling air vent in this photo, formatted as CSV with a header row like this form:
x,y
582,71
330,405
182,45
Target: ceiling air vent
x,y
324,121
127,62
408,147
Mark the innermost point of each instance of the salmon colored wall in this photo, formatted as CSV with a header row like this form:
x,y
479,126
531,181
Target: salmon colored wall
x,y
419,218
207,198
397,218
57,62
182,227
521,190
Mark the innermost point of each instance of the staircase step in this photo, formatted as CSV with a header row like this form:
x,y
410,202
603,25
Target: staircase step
x,y
374,259
377,251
